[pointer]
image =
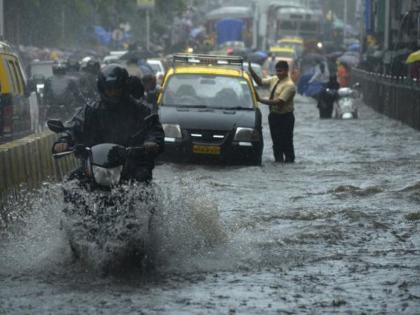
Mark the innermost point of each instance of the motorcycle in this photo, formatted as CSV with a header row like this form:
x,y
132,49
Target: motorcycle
x,y
345,106
107,218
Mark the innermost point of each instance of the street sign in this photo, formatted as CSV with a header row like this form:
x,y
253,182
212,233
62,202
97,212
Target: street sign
x,y
145,4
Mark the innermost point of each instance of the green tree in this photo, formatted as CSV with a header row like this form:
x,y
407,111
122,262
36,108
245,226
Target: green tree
x,y
70,22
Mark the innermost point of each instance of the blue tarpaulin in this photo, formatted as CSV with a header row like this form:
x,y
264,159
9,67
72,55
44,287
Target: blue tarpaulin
x,y
104,37
229,30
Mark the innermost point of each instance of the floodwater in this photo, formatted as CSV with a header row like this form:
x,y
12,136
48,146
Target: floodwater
x,y
335,233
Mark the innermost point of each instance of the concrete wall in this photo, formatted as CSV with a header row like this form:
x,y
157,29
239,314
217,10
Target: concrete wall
x,y
28,161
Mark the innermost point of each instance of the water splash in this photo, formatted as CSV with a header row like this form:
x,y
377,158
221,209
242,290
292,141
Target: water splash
x,y
174,224
188,228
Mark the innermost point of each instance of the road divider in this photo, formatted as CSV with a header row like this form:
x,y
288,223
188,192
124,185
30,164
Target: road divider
x,y
28,162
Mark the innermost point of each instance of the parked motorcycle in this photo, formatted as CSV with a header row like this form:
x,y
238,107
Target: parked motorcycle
x,y
107,219
346,105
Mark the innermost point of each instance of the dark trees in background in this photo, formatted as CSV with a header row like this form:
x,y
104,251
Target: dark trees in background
x,y
69,23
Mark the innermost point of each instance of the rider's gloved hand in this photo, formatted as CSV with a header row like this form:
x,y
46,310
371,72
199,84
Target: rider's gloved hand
x,y
151,147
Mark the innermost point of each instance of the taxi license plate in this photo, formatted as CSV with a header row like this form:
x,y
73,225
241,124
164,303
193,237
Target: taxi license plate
x,y
206,149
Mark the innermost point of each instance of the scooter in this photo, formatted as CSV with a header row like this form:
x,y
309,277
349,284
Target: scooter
x,y
346,105
107,219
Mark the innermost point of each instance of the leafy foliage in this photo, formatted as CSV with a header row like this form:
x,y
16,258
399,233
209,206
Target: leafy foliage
x,y
70,22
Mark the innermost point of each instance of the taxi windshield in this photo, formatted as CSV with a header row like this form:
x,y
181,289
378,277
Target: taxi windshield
x,y
209,91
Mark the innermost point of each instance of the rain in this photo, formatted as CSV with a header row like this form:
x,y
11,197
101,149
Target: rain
x,y
260,157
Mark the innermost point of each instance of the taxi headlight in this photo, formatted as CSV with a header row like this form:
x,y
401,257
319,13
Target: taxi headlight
x,y
172,131
107,176
246,134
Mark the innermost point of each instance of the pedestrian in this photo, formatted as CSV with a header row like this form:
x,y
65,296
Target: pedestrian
x,y
321,73
89,70
343,74
151,91
281,118
272,65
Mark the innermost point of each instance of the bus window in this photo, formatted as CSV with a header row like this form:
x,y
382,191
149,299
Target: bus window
x,y
311,27
288,26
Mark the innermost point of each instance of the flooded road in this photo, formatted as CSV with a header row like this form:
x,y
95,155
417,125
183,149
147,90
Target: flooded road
x,y
335,233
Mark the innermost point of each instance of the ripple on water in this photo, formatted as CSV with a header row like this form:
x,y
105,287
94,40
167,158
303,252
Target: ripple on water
x,y
350,190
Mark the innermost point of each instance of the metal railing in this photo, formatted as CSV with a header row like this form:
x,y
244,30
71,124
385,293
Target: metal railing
x,y
395,97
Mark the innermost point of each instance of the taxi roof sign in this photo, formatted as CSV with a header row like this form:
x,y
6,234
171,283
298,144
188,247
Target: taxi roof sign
x,y
282,49
208,60
294,40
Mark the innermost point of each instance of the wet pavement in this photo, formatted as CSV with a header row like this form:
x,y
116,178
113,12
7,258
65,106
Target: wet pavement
x,y
335,233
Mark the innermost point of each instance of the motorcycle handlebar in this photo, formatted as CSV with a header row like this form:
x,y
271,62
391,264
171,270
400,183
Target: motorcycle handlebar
x,y
80,150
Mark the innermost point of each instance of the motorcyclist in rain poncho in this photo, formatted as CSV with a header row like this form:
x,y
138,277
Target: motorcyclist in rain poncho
x,y
89,68
117,118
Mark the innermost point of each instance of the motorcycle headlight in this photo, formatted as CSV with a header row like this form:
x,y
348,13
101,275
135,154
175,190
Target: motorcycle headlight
x,y
107,176
40,88
246,134
347,116
172,132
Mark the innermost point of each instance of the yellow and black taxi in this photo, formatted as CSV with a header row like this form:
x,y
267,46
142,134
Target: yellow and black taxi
x,y
15,117
209,111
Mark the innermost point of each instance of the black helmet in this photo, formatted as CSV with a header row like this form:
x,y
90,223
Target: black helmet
x,y
90,64
73,64
114,77
59,67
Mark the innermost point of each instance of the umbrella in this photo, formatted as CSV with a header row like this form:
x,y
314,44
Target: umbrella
x,y
334,55
258,57
102,35
413,57
313,57
349,60
136,55
197,31
354,47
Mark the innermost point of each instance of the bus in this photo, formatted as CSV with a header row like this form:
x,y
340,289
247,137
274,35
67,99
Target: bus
x,y
233,24
293,20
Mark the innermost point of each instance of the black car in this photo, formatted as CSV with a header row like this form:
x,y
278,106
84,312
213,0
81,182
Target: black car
x,y
209,111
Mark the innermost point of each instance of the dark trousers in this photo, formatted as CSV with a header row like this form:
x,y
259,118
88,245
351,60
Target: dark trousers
x,y
281,129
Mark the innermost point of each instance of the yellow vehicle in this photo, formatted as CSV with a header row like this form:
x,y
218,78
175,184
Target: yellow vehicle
x,y
296,43
208,110
282,53
15,117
